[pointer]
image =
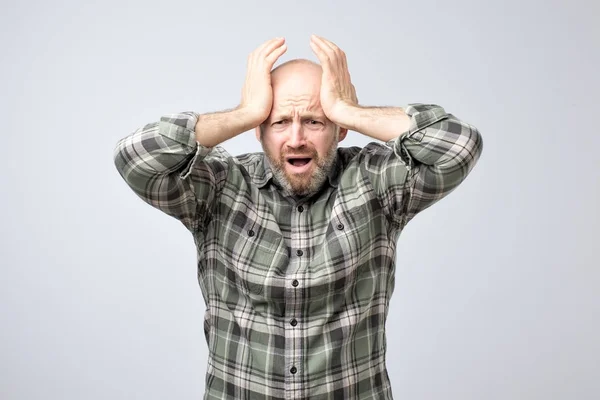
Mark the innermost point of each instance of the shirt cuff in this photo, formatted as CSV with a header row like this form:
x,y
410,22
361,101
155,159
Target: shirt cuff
x,y
181,127
421,116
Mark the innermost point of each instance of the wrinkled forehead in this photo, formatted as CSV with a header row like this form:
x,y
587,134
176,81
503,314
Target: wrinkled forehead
x,y
296,95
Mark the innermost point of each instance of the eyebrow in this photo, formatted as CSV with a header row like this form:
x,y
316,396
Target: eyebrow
x,y
308,115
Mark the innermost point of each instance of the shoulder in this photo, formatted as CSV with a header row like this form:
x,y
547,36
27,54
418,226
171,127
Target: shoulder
x,y
347,155
252,166
250,161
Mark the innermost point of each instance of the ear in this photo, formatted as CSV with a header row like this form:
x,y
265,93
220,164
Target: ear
x,y
257,132
343,133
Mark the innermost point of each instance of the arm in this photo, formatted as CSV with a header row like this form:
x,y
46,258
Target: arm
x,y
257,99
432,155
156,162
428,152
381,123
173,164
215,128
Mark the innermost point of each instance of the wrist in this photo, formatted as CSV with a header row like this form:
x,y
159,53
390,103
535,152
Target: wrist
x,y
250,117
345,115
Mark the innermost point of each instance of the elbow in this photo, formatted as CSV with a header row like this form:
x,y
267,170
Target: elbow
x,y
474,145
120,157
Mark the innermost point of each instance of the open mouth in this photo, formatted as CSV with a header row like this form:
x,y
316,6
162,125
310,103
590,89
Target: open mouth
x,y
299,164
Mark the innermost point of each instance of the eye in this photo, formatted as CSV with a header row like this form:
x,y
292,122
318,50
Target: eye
x,y
314,122
280,122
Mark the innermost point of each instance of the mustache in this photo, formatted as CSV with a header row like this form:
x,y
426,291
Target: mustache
x,y
303,152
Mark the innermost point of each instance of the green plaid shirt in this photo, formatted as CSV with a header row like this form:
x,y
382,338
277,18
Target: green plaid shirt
x,y
297,290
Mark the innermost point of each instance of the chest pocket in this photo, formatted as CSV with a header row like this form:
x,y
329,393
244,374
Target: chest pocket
x,y
353,229
346,249
252,258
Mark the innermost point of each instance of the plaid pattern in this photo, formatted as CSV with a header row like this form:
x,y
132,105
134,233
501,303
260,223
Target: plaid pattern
x,y
297,290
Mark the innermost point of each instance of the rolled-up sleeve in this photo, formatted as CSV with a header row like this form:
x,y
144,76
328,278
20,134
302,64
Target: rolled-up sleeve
x,y
423,164
439,151
167,168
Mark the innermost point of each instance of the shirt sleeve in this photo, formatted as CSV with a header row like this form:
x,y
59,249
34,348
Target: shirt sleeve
x,y
167,168
425,163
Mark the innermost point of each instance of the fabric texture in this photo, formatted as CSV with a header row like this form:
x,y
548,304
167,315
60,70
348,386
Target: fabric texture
x,y
297,289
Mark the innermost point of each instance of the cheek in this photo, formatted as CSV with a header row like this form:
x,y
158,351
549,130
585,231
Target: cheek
x,y
273,145
323,146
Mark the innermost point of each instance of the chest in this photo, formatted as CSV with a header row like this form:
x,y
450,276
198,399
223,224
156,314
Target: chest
x,y
260,245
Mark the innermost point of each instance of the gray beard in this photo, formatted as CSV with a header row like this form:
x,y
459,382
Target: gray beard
x,y
317,179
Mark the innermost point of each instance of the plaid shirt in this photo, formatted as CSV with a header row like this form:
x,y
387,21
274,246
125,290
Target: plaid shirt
x,y
297,290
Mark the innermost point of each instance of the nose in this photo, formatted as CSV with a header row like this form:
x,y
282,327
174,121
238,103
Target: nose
x,y
297,138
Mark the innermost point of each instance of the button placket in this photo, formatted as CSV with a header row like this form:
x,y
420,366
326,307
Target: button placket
x,y
298,249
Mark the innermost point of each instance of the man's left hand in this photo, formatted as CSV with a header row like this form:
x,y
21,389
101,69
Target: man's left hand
x,y
338,94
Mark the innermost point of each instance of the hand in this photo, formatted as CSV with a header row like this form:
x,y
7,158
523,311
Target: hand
x,y
257,93
337,90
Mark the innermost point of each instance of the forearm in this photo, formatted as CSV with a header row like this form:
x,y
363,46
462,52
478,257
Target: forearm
x,y
381,123
155,150
154,161
427,132
215,128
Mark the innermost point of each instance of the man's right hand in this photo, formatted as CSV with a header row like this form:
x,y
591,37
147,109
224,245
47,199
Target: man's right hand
x,y
257,99
257,93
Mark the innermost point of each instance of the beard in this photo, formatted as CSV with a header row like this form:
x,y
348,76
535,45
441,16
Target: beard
x,y
308,183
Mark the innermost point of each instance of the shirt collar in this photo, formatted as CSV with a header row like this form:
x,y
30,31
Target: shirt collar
x,y
264,173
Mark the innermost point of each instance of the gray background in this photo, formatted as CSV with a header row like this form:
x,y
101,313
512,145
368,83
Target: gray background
x,y
497,285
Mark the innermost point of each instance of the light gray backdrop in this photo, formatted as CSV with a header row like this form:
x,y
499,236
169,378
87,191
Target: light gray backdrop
x,y
497,285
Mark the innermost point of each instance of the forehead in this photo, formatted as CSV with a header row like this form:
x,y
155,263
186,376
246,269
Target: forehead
x,y
297,94
297,106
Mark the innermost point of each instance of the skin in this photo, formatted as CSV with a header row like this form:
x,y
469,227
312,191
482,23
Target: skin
x,y
300,109
297,127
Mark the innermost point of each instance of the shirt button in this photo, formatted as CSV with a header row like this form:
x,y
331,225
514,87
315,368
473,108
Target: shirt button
x,y
340,226
250,233
293,322
293,370
299,253
295,282
300,208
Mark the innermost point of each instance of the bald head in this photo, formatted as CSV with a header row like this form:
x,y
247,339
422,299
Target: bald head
x,y
298,65
296,81
300,72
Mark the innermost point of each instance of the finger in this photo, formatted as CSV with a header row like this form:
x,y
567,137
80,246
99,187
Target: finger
x,y
265,44
321,45
327,43
268,49
340,56
324,50
257,50
275,54
334,58
335,53
321,55
252,56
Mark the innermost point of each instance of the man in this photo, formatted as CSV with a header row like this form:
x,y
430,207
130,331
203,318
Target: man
x,y
296,245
